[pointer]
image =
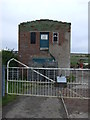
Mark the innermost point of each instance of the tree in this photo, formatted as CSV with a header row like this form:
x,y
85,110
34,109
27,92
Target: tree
x,y
7,55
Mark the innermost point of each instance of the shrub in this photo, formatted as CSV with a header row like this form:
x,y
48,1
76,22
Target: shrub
x,y
70,78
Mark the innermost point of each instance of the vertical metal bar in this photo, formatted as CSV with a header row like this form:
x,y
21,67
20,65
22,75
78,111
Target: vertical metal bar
x,y
17,80
82,86
27,82
48,83
56,88
32,82
7,79
22,81
25,79
41,89
44,79
65,76
45,82
73,86
30,79
14,88
88,83
3,80
67,87
71,77
40,82
35,77
53,88
69,72
12,79
76,82
52,83
37,84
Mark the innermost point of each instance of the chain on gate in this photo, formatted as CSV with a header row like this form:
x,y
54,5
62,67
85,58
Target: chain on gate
x,y
48,82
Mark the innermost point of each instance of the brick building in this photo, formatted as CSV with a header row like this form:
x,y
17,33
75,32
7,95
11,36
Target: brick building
x,y
44,43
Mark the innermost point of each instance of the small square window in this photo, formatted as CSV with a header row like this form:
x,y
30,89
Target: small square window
x,y
55,37
33,37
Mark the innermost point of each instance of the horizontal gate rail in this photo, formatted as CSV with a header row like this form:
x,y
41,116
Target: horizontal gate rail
x,y
36,68
27,81
46,82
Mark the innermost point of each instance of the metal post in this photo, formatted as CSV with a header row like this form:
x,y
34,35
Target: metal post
x,y
3,80
7,78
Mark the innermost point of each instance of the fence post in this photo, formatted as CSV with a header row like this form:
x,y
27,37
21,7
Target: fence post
x,y
3,80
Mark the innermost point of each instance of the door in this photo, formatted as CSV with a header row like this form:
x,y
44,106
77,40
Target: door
x,y
44,40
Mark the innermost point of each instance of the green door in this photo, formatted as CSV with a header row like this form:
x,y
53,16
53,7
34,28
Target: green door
x,y
44,40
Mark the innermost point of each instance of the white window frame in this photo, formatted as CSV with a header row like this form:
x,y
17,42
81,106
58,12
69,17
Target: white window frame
x,y
57,37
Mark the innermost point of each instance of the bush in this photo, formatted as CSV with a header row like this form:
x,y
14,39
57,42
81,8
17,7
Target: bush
x,y
70,78
7,55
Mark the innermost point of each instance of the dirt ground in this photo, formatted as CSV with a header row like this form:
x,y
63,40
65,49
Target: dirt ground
x,y
77,108
42,107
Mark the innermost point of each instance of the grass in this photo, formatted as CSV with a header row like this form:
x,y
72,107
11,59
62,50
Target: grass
x,y
75,59
7,99
13,87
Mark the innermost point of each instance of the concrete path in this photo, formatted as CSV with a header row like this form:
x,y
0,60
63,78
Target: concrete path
x,y
35,107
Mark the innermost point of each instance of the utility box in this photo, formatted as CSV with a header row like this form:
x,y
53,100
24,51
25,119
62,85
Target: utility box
x,y
61,81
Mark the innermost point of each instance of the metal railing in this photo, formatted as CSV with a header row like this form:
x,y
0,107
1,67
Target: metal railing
x,y
43,82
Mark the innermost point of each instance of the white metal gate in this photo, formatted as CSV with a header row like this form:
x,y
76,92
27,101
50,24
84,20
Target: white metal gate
x,y
43,81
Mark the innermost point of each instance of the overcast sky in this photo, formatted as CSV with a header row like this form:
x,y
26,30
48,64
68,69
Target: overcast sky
x,y
13,12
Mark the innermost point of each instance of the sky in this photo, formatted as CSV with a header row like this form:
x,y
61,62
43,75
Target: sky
x,y
14,12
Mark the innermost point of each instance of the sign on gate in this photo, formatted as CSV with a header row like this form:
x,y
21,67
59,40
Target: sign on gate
x,y
61,79
42,81
61,82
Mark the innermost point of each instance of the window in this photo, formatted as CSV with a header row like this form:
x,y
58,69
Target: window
x,y
33,37
55,37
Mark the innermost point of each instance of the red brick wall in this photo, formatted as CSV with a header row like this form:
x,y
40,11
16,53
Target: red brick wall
x,y
28,50
50,38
